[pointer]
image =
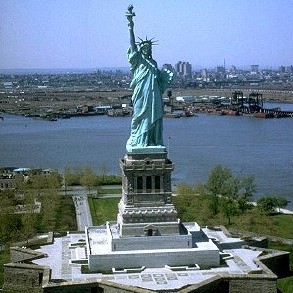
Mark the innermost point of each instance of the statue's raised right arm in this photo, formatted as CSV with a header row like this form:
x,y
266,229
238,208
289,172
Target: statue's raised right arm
x,y
129,15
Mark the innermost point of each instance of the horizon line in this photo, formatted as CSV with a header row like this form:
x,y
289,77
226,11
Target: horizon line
x,y
241,67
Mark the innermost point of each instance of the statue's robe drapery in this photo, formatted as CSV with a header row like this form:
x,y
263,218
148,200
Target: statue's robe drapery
x,y
148,108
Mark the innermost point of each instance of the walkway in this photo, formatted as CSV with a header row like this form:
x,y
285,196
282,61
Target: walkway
x,y
83,215
80,197
60,254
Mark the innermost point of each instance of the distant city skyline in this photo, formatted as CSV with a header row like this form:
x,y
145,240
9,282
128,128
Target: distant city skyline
x,y
93,33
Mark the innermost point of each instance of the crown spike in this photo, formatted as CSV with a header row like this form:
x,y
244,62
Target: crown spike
x,y
146,41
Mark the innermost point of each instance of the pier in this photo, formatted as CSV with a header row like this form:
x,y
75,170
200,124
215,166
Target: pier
x,y
274,113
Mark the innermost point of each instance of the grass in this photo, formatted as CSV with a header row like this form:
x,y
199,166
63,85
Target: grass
x,y
109,179
103,209
284,223
194,208
278,225
110,191
65,215
4,258
285,285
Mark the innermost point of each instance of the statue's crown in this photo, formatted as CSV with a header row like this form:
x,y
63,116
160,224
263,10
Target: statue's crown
x,y
146,41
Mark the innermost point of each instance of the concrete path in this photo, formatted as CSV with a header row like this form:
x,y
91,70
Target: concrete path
x,y
80,199
83,215
60,255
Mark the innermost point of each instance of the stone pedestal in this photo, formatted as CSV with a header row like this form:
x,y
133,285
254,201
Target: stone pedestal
x,y
148,232
146,207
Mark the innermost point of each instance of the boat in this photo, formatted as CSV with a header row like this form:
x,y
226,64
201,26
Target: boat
x,y
173,115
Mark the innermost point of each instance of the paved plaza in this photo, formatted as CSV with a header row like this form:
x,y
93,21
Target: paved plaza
x,y
64,251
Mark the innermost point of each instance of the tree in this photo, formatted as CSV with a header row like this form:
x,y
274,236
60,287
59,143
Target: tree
x,y
50,202
28,217
217,179
235,192
20,184
217,186
72,177
54,180
46,181
38,182
88,179
229,207
28,225
230,187
270,204
7,197
245,193
280,202
222,183
190,202
103,170
267,204
10,227
185,190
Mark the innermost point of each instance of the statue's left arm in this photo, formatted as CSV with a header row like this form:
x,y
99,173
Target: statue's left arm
x,y
166,77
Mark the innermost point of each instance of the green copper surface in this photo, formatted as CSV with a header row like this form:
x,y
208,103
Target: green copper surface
x,y
148,85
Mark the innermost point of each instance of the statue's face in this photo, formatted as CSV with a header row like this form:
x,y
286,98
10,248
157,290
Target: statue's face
x,y
146,50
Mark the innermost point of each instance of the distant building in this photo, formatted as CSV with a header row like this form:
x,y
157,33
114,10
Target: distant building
x,y
220,69
168,67
254,69
185,99
6,182
204,74
183,69
8,84
233,69
7,178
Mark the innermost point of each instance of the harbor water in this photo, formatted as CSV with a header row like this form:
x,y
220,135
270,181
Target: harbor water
x,y
246,145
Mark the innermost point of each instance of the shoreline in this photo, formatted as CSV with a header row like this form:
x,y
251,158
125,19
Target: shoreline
x,y
281,210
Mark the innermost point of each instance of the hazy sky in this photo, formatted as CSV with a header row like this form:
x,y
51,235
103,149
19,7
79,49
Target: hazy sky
x,y
93,33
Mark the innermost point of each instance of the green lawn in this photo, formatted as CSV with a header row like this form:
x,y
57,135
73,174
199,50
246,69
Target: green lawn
x,y
103,209
284,223
285,285
192,207
110,191
278,225
4,258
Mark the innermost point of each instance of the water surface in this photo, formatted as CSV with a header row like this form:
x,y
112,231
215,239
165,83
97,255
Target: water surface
x,y
246,145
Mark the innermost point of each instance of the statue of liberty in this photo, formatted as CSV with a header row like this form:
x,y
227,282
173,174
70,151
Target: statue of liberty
x,y
149,84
